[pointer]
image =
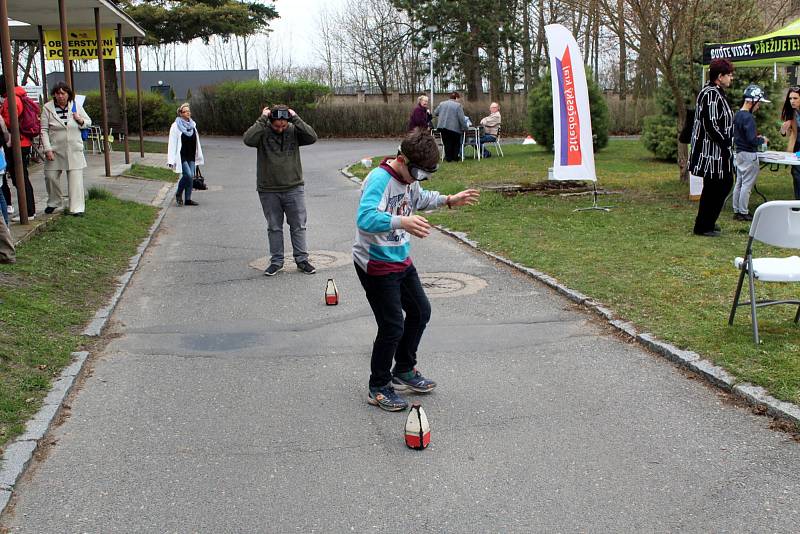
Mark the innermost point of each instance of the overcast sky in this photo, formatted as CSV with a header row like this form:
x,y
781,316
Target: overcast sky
x,y
297,23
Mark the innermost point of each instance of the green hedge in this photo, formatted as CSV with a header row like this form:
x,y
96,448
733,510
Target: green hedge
x,y
231,107
157,115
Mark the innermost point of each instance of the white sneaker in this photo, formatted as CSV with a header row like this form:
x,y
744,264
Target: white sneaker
x,y
10,209
15,218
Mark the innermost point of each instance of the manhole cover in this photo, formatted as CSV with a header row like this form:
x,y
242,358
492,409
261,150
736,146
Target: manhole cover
x,y
321,259
440,285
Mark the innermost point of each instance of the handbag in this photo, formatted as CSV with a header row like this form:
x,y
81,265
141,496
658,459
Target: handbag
x,y
199,181
84,131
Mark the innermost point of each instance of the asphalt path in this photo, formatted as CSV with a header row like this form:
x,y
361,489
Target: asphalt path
x,y
232,402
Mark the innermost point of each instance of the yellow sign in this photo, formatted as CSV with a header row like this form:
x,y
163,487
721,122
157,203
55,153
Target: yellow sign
x,y
82,44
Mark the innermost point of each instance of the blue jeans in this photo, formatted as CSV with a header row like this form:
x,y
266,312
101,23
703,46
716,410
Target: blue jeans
x,y
4,207
389,296
486,138
185,183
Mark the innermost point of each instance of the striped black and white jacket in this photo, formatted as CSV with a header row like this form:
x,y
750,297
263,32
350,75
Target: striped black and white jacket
x,y
712,135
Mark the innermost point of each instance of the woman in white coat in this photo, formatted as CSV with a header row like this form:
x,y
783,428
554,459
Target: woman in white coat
x,y
184,153
62,121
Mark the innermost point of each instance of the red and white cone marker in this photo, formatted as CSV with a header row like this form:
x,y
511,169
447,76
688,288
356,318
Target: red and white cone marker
x,y
331,293
418,431
529,141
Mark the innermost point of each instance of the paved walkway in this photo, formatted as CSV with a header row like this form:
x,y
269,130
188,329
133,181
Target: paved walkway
x,y
226,401
94,175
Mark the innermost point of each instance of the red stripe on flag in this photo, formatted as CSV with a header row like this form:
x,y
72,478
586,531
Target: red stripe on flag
x,y
573,122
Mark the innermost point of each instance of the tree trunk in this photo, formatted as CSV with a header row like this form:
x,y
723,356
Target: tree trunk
x,y
114,111
680,104
472,71
526,46
622,80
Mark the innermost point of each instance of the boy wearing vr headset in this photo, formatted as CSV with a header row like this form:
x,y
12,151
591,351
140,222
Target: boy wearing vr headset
x,y
278,135
385,222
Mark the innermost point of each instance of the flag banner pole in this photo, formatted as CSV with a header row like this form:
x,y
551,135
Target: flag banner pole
x,y
572,120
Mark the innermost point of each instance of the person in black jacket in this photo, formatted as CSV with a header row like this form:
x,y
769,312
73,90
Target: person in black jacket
x,y
712,147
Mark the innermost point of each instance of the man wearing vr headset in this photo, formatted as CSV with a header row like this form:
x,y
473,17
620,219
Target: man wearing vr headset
x,y
278,135
385,222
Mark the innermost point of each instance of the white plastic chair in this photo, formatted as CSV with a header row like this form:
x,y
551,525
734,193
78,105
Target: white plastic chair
x,y
775,223
471,138
498,150
437,136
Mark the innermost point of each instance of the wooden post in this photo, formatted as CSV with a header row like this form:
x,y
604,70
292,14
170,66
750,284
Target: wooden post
x,y
139,94
103,113
124,98
44,63
16,148
62,23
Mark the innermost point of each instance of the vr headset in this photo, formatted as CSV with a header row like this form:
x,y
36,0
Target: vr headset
x,y
418,172
279,114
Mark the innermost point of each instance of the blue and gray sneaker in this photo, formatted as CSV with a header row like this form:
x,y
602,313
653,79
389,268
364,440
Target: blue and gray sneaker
x,y
414,381
387,399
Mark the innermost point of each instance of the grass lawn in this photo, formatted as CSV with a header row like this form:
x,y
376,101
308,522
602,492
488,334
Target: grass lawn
x,y
151,147
641,258
149,172
62,276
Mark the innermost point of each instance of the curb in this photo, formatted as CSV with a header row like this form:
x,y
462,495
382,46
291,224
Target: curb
x,y
17,454
754,395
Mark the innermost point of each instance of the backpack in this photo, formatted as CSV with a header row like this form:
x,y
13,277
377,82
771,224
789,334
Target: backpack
x,y
29,124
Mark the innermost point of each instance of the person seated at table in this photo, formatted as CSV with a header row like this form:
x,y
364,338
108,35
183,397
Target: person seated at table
x,y
451,124
791,117
421,115
491,125
747,142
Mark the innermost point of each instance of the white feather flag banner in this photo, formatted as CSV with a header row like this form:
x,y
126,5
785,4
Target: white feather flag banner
x,y
572,122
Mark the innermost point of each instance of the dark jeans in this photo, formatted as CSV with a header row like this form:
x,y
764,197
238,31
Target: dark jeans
x,y
452,144
487,138
398,338
796,181
715,190
10,176
292,205
187,177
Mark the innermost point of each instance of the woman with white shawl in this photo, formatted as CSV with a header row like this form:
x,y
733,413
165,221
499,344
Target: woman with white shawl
x,y
184,153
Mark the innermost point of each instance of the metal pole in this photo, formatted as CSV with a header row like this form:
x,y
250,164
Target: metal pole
x,y
430,106
62,23
124,97
139,94
44,63
16,148
103,114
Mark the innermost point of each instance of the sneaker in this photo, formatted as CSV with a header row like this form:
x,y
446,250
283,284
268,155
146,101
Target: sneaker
x,y
387,399
10,209
191,202
414,381
49,209
16,218
178,200
306,267
745,217
273,269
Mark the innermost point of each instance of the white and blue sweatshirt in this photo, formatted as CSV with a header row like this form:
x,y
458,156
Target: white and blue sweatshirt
x,y
381,245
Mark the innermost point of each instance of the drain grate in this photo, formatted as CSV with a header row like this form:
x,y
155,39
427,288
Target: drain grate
x,y
442,285
321,259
